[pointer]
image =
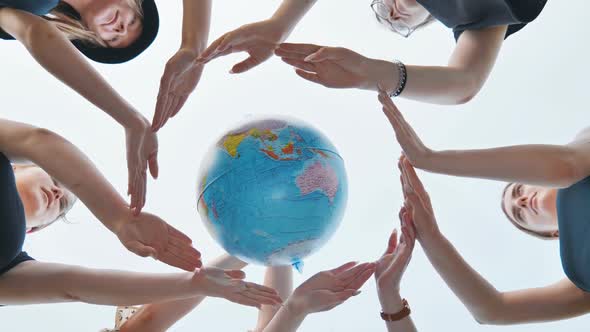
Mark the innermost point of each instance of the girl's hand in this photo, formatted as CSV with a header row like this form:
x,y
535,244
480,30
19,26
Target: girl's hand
x,y
142,151
414,150
417,202
328,289
148,235
180,78
258,39
392,265
229,284
333,67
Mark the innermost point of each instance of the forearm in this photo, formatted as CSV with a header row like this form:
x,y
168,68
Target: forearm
x,y
287,319
279,278
35,282
476,293
290,13
54,52
545,165
391,302
196,20
430,84
161,316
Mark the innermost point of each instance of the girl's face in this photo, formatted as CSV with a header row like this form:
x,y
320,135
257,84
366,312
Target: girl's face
x,y
532,207
114,21
43,198
403,15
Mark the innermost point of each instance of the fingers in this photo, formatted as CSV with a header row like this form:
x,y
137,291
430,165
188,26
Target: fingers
x,y
413,181
162,101
176,257
208,54
324,53
263,296
235,274
343,267
282,53
181,101
178,235
392,243
306,49
306,66
347,276
245,65
361,278
308,76
260,288
185,252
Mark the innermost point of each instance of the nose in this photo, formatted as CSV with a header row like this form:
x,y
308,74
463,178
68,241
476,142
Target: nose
x,y
120,28
57,192
522,201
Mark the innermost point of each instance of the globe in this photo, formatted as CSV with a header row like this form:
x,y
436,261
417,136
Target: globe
x,y
272,191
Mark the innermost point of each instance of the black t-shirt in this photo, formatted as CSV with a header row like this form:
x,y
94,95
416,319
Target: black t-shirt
x,y
12,220
461,15
37,7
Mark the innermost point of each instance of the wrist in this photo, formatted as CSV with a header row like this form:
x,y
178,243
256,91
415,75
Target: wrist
x,y
281,27
391,301
381,75
295,306
431,239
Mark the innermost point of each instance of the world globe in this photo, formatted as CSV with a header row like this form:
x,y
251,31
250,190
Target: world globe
x,y
272,191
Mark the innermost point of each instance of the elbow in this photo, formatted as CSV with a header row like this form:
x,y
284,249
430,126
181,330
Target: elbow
x,y
467,91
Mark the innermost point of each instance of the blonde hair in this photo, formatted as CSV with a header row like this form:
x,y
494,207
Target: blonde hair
x,y
74,29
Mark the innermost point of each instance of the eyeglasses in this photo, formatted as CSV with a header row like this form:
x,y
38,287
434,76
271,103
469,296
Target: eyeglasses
x,y
383,13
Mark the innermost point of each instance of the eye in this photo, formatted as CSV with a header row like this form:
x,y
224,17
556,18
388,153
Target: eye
x,y
519,190
114,40
133,22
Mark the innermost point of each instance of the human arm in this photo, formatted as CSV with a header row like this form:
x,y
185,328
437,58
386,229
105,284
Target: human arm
x,y
545,165
280,278
322,292
182,73
144,234
54,52
261,38
159,317
487,305
389,271
35,282
458,82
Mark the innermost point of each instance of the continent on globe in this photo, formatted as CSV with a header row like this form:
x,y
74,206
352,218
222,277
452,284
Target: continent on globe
x,y
318,177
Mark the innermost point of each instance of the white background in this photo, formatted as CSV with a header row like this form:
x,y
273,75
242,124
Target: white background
x,y
536,94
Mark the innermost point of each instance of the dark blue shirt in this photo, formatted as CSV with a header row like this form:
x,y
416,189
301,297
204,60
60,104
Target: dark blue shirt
x,y
37,7
461,15
573,217
12,220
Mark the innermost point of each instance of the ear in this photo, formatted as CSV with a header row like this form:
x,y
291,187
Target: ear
x,y
555,234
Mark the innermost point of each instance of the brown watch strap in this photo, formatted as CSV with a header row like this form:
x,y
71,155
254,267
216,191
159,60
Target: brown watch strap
x,y
405,312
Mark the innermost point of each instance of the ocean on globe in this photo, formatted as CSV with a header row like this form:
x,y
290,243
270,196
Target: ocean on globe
x,y
272,191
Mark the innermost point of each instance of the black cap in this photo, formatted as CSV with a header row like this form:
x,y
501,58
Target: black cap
x,y
151,23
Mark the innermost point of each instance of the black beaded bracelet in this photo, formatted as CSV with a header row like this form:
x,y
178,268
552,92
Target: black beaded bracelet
x,y
403,78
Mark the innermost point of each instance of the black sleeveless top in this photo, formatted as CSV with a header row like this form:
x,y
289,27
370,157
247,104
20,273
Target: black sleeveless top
x,y
573,219
37,7
461,15
12,220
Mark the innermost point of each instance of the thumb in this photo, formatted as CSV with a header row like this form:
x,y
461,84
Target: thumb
x,y
153,164
324,53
